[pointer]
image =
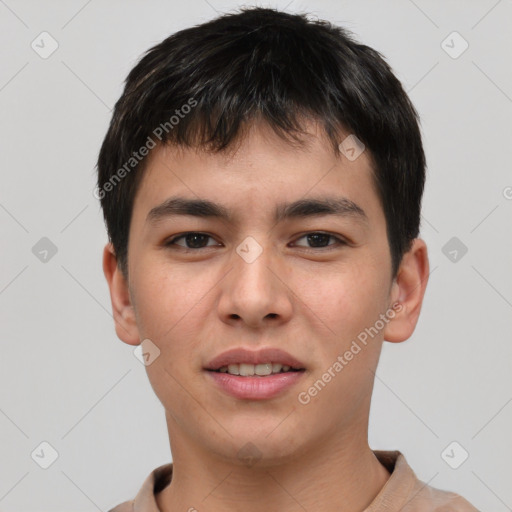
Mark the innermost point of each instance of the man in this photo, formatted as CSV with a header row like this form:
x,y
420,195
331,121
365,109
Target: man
x,y
261,182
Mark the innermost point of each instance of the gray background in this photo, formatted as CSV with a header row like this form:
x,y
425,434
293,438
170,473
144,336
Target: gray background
x,y
65,377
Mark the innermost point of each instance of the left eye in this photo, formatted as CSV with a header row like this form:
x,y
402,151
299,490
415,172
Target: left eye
x,y
194,240
320,240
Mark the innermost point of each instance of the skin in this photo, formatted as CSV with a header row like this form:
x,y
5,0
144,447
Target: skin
x,y
311,302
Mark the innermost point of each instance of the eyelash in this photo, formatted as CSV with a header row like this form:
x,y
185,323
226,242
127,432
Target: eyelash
x,y
339,241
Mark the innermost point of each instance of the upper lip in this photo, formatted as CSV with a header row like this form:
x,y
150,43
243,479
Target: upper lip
x,y
243,355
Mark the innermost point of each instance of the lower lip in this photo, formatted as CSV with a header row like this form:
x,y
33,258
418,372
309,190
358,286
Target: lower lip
x,y
255,388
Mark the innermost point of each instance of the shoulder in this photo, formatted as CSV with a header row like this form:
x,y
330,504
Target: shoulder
x,y
145,501
126,506
430,499
409,494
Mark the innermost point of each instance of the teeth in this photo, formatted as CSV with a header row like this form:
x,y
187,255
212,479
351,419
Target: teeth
x,y
233,369
276,367
248,370
263,369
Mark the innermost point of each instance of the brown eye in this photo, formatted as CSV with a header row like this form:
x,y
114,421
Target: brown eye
x,y
192,240
320,240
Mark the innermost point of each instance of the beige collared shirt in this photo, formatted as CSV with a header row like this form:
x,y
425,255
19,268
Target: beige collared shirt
x,y
403,492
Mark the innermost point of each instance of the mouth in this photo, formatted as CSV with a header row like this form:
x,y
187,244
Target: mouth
x,y
248,363
255,375
258,370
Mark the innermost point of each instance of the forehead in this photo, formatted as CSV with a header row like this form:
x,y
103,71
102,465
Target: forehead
x,y
262,174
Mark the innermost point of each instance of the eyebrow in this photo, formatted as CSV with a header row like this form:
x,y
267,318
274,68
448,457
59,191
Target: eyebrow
x,y
303,208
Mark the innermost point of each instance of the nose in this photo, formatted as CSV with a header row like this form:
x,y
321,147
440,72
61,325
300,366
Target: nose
x,y
255,291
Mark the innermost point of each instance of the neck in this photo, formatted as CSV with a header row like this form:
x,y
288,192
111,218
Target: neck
x,y
340,474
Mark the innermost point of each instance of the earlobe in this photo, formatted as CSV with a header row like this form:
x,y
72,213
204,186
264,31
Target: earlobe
x,y
122,308
407,293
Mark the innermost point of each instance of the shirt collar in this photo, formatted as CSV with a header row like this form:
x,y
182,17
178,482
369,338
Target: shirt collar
x,y
392,496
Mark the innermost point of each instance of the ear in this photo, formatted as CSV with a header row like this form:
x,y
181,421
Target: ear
x,y
407,293
122,308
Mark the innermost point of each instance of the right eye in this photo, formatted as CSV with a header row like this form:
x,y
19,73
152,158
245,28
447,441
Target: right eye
x,y
192,241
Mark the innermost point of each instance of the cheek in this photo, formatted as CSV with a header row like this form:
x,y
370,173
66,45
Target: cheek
x,y
343,300
174,311
166,298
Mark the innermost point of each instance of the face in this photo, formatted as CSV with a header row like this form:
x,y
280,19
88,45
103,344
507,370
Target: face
x,y
301,288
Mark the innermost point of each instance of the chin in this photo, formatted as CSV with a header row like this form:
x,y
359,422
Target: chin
x,y
258,450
